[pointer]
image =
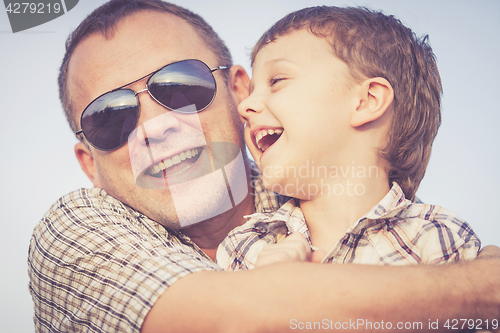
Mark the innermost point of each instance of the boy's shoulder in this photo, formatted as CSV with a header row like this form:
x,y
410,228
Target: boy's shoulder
x,y
395,210
429,212
431,233
427,217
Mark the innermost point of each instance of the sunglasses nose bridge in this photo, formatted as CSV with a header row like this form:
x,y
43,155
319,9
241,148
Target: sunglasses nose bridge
x,y
140,91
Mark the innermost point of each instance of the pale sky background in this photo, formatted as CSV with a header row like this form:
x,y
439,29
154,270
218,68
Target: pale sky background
x,y
39,166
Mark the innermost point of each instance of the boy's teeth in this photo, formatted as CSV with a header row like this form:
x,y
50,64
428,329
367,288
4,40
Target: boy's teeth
x,y
262,133
176,159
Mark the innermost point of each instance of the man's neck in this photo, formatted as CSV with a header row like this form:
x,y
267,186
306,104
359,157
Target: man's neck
x,y
210,233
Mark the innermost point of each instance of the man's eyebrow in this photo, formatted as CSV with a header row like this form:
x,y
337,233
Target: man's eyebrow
x,y
139,79
150,74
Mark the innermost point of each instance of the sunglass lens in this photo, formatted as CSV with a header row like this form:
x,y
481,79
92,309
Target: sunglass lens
x,y
108,121
187,86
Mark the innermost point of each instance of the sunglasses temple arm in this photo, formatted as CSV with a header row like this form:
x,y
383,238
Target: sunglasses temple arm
x,y
79,135
218,67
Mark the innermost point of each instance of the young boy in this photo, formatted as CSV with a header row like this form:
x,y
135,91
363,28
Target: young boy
x,y
344,106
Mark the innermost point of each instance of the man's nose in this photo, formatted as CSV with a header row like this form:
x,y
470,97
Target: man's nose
x,y
250,106
156,120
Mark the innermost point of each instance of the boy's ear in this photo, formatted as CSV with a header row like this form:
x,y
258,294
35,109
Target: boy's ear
x,y
239,83
376,97
86,160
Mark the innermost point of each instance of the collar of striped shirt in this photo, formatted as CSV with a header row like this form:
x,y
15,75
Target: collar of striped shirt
x,y
291,214
396,231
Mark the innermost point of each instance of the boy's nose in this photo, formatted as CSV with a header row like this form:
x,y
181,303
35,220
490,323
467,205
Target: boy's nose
x,y
250,106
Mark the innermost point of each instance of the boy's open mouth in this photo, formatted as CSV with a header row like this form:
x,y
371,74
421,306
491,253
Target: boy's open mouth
x,y
175,164
265,138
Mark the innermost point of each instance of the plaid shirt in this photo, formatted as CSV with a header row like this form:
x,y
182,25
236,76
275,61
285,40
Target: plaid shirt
x,y
394,232
97,265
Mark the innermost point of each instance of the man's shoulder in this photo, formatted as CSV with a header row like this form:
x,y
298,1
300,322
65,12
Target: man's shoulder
x,y
86,198
85,209
91,253
85,203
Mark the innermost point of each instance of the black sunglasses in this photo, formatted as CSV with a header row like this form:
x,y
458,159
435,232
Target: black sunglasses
x,y
186,86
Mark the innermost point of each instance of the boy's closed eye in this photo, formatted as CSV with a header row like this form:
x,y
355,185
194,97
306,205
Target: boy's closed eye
x,y
275,79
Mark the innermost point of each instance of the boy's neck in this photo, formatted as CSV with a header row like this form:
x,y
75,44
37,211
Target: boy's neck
x,y
330,214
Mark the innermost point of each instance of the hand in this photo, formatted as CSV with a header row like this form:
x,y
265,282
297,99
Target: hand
x,y
293,248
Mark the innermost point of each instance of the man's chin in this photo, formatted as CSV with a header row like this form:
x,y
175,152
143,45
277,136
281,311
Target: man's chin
x,y
201,199
215,183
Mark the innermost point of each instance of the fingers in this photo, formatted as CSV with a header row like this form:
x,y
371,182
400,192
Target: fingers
x,y
293,248
298,242
317,256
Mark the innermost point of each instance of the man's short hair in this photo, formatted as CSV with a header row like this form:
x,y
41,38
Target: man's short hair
x,y
376,45
104,20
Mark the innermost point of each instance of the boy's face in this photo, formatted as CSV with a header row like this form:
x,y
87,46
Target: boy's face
x,y
304,95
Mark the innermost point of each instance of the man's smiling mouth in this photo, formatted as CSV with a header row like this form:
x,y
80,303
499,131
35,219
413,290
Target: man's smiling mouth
x,y
265,138
175,164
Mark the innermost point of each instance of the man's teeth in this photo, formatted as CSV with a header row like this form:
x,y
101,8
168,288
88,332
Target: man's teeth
x,y
176,159
262,133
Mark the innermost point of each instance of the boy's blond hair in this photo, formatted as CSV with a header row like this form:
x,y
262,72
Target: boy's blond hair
x,y
376,45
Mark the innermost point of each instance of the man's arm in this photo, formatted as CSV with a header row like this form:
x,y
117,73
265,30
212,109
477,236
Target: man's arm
x,y
281,297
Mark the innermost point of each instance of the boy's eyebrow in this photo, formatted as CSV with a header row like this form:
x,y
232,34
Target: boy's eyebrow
x,y
275,61
269,64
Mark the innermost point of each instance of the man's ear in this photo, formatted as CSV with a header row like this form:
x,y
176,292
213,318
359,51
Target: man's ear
x,y
86,160
239,83
376,95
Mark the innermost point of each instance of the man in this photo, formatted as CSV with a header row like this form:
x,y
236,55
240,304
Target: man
x,y
113,258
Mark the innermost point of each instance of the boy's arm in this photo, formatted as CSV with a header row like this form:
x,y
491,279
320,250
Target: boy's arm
x,y
282,297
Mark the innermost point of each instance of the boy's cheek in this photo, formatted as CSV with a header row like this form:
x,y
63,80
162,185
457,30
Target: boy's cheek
x,y
256,153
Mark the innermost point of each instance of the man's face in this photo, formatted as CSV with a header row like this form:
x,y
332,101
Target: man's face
x,y
141,44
